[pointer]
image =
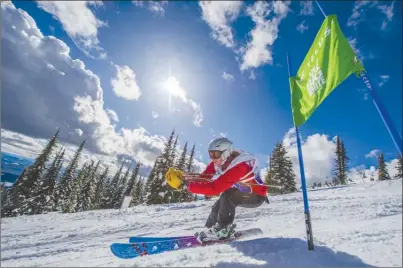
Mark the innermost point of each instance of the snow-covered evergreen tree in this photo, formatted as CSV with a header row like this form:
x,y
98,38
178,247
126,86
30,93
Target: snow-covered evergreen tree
x,y
340,164
87,195
70,205
382,171
101,182
399,168
44,191
281,177
189,166
138,193
66,181
118,194
22,193
110,189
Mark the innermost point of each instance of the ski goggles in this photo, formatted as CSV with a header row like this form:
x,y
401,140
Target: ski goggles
x,y
214,154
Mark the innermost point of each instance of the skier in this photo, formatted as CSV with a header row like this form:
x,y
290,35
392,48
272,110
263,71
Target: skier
x,y
232,173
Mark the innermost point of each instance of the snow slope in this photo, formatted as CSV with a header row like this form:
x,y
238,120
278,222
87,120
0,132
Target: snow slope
x,y
357,225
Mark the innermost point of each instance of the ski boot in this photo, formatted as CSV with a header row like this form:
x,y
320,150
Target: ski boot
x,y
216,233
226,232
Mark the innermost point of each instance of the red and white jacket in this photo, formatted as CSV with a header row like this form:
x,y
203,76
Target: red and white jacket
x,y
240,170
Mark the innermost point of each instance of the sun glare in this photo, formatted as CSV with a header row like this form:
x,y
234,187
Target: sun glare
x,y
174,89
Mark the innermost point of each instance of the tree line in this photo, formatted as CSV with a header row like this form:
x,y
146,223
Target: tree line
x,y
46,186
281,177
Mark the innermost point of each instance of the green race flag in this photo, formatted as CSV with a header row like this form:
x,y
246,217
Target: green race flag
x,y
329,61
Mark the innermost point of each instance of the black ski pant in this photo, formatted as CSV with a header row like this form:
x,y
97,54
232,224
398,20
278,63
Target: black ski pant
x,y
223,211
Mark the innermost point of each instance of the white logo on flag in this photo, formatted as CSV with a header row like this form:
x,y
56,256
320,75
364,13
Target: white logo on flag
x,y
316,80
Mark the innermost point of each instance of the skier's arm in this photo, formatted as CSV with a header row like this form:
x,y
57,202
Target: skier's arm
x,y
222,183
210,170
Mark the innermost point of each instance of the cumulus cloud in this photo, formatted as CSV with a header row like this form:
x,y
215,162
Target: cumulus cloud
x,y
258,50
79,132
156,7
306,8
79,22
318,152
373,154
113,116
124,83
66,95
227,76
362,174
302,27
219,15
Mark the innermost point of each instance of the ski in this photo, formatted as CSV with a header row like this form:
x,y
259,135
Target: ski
x,y
138,239
137,249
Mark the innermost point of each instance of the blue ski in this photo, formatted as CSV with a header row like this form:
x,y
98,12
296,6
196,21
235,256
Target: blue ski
x,y
133,250
138,239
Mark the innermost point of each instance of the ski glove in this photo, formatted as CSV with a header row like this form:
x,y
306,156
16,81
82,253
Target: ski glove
x,y
174,178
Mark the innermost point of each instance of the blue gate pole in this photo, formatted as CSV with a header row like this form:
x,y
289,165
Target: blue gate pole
x,y
308,224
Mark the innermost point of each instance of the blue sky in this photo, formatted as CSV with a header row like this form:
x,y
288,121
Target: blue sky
x,y
250,106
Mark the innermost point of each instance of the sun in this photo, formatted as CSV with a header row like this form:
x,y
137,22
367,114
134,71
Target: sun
x,y
174,88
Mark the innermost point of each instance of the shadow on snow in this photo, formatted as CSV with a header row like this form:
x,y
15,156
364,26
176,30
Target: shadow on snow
x,y
290,252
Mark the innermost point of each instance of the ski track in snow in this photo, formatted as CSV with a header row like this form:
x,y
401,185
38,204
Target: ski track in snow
x,y
358,225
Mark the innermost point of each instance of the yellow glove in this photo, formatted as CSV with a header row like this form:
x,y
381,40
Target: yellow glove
x,y
174,178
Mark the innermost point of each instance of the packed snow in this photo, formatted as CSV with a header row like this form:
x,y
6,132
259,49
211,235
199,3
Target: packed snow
x,y
355,225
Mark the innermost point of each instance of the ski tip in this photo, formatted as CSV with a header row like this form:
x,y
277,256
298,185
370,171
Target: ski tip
x,y
119,249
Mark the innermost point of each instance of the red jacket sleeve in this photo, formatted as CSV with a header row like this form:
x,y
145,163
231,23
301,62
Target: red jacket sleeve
x,y
222,183
210,170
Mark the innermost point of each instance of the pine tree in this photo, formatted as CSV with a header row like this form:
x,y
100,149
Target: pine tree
x,y
184,195
172,157
382,171
399,167
344,160
70,204
108,198
66,181
87,196
337,170
118,194
21,194
44,197
189,168
159,192
99,189
281,177
131,186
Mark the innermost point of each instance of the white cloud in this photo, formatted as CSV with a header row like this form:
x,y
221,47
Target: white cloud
x,y
306,8
112,115
360,8
318,153
227,76
71,98
155,114
156,7
219,15
302,27
224,134
373,154
354,45
79,132
383,80
124,84
258,50
388,12
79,22
252,75
361,174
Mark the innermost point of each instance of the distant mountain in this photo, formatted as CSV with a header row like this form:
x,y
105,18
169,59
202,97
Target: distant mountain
x,y
12,166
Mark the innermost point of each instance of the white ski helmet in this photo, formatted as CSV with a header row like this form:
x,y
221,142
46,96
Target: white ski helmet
x,y
220,147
